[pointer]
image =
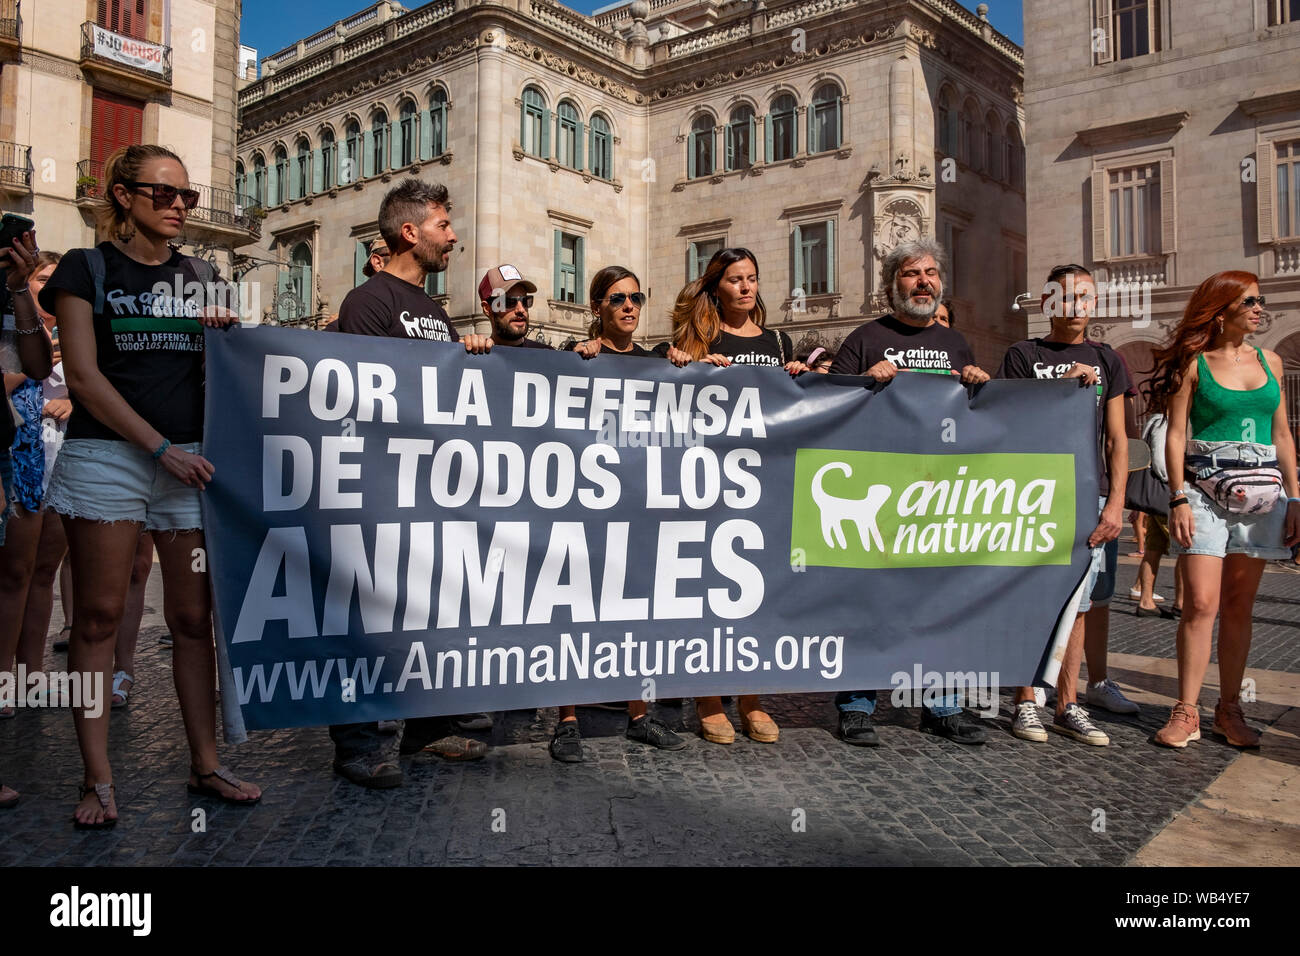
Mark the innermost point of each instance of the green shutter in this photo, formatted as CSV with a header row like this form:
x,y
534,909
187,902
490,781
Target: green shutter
x,y
273,183
812,145
283,284
546,133
556,276
317,171
753,140
440,144
690,155
839,121
577,146
579,279
523,127
830,255
367,153
767,138
426,134
797,238
395,144
359,258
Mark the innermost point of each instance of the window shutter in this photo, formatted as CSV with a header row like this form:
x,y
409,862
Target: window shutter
x,y
767,138
808,131
1098,214
690,155
797,239
317,171
830,255
1168,207
839,122
579,280
729,137
546,134
577,146
440,141
1103,23
753,140
367,153
359,258
523,128
426,134
1265,190
395,144
273,182
559,293
283,284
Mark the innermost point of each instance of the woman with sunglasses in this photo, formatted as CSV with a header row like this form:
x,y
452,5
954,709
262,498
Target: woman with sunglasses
x,y
132,459
1223,398
720,319
616,300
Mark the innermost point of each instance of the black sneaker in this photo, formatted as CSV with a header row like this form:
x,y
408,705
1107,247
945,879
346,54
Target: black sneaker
x,y
856,729
374,770
566,745
647,730
955,728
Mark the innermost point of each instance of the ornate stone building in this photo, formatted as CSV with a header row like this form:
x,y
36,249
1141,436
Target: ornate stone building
x,y
1164,146
79,78
818,133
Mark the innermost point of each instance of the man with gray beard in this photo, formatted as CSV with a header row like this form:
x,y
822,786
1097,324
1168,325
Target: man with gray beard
x,y
908,340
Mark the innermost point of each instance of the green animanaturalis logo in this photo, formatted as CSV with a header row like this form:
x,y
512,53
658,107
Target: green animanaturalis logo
x,y
857,509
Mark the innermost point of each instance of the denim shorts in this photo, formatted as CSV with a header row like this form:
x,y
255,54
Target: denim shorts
x,y
1219,533
106,480
7,481
1100,586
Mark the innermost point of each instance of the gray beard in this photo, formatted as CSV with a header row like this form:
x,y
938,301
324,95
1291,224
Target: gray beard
x,y
908,307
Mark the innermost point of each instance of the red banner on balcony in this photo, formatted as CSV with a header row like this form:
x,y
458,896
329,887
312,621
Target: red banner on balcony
x,y
129,51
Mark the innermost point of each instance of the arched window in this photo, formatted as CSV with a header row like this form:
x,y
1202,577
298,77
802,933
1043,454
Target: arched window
x,y
992,146
568,135
301,170
740,138
602,148
328,160
378,143
699,151
259,180
438,122
534,120
294,287
280,182
350,163
824,121
1015,157
970,141
780,129
945,133
409,131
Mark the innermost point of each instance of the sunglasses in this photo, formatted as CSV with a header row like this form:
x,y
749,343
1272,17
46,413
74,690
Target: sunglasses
x,y
1250,301
513,300
618,298
164,195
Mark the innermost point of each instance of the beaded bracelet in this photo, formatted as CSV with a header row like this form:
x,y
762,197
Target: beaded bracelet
x,y
162,449
32,331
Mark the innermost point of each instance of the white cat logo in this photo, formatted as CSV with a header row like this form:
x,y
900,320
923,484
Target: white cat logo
x,y
861,511
121,302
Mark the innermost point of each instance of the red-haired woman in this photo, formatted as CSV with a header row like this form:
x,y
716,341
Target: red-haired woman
x,y
1226,409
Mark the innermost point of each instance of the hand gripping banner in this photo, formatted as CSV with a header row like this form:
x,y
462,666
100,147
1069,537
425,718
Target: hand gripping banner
x,y
401,529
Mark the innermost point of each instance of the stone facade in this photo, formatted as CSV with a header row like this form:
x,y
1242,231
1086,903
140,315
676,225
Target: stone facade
x,y
664,79
49,77
1198,108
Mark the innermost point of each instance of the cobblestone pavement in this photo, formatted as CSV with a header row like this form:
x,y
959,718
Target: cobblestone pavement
x,y
809,799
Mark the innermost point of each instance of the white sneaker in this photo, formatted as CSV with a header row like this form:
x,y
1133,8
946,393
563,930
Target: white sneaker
x,y
1106,695
1136,594
1027,726
1075,723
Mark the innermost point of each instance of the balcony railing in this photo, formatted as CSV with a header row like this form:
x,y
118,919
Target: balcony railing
x,y
15,166
140,57
9,20
216,207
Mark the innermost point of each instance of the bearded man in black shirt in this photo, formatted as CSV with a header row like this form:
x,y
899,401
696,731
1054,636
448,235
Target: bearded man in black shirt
x,y
910,340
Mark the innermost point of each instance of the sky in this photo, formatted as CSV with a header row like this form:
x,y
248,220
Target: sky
x,y
271,25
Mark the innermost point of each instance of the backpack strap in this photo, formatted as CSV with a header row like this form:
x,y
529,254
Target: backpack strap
x,y
95,259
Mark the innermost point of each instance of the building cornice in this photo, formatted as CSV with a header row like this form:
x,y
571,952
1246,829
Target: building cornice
x,y
1262,103
1109,134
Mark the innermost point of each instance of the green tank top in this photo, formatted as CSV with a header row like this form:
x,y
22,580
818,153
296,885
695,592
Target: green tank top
x,y
1227,414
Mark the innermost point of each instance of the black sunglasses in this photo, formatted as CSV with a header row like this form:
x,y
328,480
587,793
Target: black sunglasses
x,y
164,195
1250,300
513,300
618,298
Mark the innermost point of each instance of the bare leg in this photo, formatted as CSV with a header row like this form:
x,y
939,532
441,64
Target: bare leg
x,y
17,559
1147,572
52,546
1240,582
1202,576
1096,635
128,633
1067,683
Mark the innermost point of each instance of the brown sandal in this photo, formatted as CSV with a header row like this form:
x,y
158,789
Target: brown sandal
x,y
202,789
104,792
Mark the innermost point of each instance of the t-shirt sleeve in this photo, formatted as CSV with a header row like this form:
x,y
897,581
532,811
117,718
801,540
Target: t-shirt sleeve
x,y
787,346
71,275
661,350
362,313
1118,382
964,354
848,360
1015,364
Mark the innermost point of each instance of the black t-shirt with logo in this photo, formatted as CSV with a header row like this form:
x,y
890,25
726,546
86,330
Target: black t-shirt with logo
x,y
934,348
148,344
763,349
1039,358
387,305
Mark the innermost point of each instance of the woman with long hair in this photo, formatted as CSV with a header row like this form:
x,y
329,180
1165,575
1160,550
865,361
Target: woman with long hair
x,y
1225,407
133,354
720,319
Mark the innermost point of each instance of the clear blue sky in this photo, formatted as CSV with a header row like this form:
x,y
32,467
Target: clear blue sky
x,y
272,25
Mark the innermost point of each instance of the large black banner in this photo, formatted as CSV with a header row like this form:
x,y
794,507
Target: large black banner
x,y
399,529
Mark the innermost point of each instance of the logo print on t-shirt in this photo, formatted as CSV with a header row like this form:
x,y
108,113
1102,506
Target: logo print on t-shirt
x,y
424,327
919,358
